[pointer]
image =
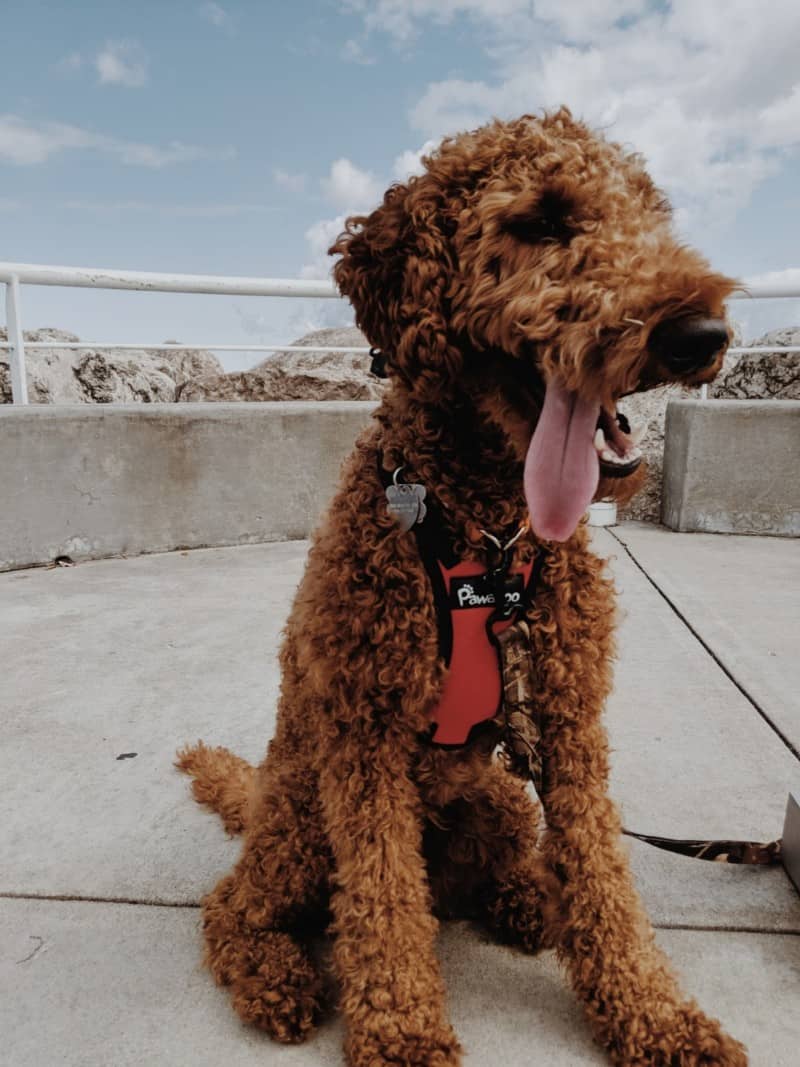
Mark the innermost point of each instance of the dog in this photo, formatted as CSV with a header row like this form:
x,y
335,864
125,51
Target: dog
x,y
516,289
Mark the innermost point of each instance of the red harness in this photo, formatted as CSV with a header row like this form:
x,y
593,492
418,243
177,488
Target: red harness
x,y
465,599
471,692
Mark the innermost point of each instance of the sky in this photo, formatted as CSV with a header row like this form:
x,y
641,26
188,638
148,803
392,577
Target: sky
x,y
235,137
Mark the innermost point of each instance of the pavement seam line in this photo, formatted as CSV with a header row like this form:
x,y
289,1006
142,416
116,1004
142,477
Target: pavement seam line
x,y
73,898
67,898
727,928
722,666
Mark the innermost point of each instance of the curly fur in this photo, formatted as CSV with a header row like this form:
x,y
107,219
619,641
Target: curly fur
x,y
524,249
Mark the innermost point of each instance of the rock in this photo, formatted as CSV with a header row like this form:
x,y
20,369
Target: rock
x,y
773,375
108,379
297,375
650,408
760,376
49,370
89,375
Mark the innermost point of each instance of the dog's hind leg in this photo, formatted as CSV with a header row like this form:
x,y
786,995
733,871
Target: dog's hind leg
x,y
483,854
519,885
257,920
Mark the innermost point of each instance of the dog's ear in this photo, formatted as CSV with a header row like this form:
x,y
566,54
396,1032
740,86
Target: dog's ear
x,y
395,267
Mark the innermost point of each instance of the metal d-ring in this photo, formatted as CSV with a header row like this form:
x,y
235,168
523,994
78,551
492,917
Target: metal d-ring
x,y
496,541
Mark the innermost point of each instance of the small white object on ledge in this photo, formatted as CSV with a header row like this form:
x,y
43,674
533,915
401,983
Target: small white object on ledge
x,y
603,513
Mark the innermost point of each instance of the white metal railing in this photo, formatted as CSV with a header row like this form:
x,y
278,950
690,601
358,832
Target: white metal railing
x,y
15,274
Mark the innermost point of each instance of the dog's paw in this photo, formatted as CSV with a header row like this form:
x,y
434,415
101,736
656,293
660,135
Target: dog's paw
x,y
391,1048
515,919
692,1039
703,1043
277,988
288,1015
520,909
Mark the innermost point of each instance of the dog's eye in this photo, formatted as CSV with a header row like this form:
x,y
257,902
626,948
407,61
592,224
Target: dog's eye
x,y
548,222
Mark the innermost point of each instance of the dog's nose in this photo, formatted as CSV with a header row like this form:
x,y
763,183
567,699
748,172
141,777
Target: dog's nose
x,y
690,343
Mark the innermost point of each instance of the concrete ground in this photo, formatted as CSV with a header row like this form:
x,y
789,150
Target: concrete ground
x,y
103,860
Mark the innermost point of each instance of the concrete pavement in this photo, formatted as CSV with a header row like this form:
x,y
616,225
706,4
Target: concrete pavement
x,y
741,601
119,985
139,655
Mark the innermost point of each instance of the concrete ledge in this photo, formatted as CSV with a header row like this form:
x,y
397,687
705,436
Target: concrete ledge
x,y
88,482
732,466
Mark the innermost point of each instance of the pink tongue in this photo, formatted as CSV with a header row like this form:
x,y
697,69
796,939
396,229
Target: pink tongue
x,y
561,468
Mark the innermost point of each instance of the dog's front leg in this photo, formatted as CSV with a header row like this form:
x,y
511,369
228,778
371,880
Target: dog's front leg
x,y
384,950
633,1001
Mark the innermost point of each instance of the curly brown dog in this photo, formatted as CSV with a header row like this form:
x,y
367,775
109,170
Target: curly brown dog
x,y
518,288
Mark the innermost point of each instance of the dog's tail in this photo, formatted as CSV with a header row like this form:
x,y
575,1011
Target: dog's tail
x,y
222,781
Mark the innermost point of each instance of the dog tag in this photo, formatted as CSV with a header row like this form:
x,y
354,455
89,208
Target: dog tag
x,y
405,502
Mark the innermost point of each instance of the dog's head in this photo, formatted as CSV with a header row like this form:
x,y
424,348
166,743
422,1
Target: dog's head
x,y
537,257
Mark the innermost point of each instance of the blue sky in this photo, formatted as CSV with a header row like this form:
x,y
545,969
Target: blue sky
x,y
234,137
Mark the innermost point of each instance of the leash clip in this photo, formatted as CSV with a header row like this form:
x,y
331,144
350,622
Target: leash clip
x,y
504,606
378,363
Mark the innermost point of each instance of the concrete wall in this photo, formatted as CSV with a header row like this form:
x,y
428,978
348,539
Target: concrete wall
x,y
88,482
732,466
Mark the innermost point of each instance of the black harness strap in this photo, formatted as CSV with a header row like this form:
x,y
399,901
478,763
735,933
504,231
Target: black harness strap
x,y
434,544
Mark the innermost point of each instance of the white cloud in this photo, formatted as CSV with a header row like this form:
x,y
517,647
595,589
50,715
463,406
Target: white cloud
x,y
353,52
582,20
137,154
27,142
216,15
24,142
410,161
121,63
351,189
779,121
399,18
319,237
788,278
709,92
295,183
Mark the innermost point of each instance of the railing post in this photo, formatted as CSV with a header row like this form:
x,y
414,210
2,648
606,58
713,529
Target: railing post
x,y
19,381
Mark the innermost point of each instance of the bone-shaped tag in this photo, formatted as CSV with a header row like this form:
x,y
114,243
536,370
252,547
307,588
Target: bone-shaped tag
x,y
405,502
